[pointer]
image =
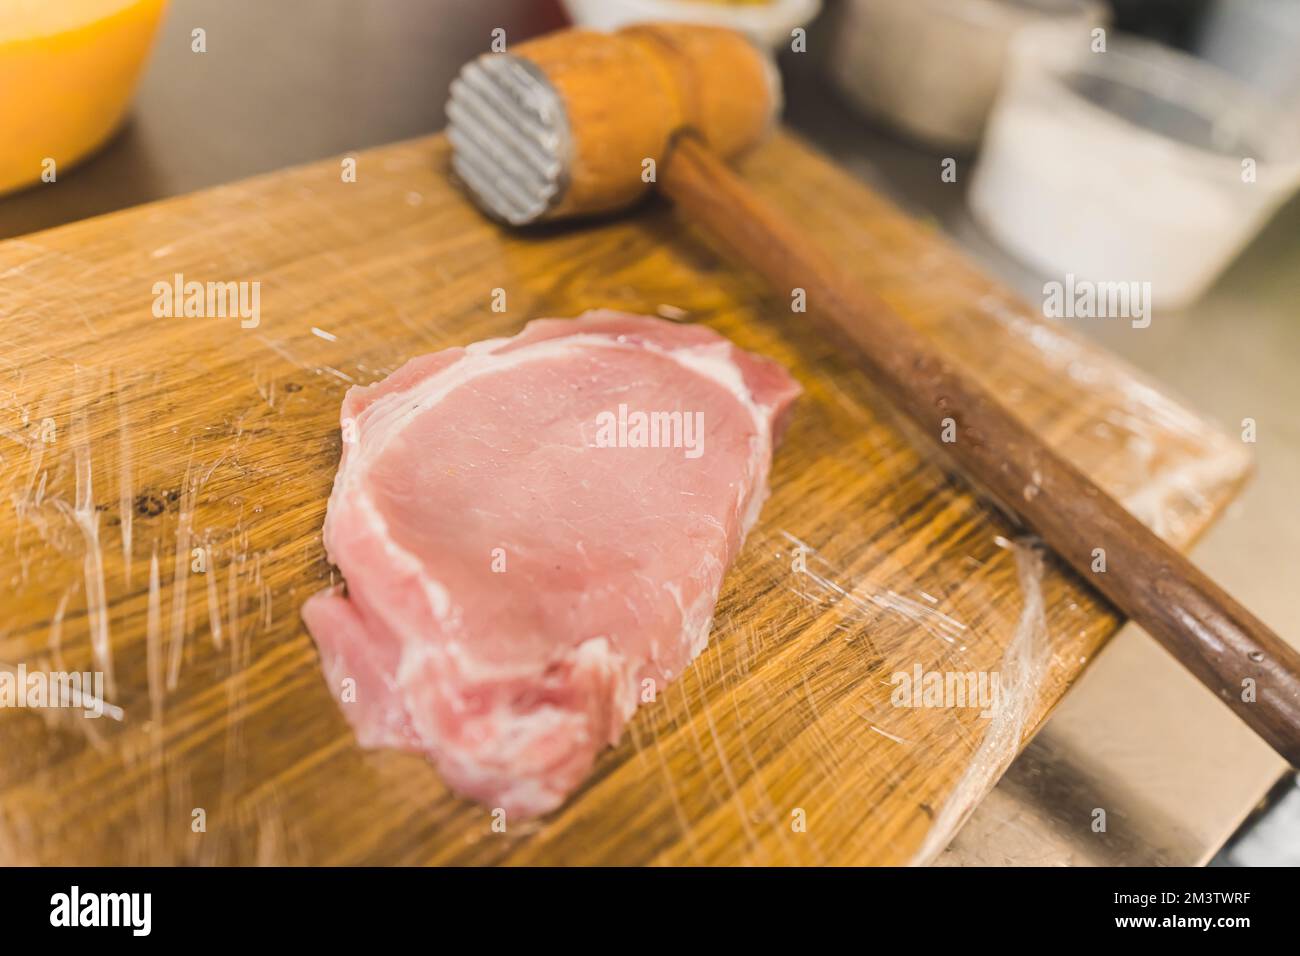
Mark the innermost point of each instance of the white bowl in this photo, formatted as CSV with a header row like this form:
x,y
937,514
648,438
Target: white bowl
x,y
769,24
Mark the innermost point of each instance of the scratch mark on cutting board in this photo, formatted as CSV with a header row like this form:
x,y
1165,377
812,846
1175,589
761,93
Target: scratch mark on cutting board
x,y
886,734
869,597
55,640
827,753
265,600
727,775
770,812
682,823
36,448
284,353
238,643
126,490
214,602
153,645
181,579
1155,501
341,376
689,726
87,519
17,437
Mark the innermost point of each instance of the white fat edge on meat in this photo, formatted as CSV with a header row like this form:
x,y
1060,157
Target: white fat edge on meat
x,y
393,412
435,594
714,362
389,415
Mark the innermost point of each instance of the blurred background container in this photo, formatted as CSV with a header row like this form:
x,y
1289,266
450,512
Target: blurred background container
x,y
1106,156
931,68
67,72
1139,163
769,22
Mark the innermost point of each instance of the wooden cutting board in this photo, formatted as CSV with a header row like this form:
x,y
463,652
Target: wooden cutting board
x,y
128,441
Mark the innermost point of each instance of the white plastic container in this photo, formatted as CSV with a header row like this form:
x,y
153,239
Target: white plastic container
x,y
769,24
1139,164
931,68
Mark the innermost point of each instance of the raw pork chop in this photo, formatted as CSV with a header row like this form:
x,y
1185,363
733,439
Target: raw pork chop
x,y
520,558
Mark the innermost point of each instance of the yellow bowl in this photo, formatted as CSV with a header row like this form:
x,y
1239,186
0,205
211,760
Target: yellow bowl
x,y
67,72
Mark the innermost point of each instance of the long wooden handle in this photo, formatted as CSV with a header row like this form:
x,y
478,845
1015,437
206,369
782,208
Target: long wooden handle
x,y
1230,651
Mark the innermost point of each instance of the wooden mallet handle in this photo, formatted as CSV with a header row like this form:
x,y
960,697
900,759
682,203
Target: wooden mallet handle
x,y
1224,645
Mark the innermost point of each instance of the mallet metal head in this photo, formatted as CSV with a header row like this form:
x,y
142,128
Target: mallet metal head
x,y
576,122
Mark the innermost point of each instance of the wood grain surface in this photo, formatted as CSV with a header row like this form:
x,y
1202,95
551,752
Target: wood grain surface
x,y
1236,656
129,440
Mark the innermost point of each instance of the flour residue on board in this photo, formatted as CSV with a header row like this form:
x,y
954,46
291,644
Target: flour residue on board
x,y
1175,469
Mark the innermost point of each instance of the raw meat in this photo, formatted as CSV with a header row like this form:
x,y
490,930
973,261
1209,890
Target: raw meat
x,y
520,559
